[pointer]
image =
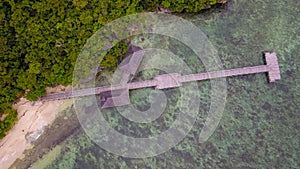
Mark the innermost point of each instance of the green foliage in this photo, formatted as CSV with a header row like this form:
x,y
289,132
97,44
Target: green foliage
x,y
40,41
8,122
114,55
188,6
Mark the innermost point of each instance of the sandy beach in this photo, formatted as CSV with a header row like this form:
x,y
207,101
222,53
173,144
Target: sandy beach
x,y
33,118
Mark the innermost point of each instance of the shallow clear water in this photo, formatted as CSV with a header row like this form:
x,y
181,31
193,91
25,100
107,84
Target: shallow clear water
x,y
260,124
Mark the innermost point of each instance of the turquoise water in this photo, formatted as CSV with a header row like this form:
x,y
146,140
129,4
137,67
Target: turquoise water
x,y
260,124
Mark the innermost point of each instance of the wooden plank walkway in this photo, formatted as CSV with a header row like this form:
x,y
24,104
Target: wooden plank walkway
x,y
175,80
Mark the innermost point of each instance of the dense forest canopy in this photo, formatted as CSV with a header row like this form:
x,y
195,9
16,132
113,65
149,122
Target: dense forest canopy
x,y
40,41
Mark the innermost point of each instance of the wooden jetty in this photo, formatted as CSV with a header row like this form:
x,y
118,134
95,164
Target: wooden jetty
x,y
170,81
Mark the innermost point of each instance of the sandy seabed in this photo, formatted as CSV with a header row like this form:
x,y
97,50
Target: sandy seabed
x,y
33,118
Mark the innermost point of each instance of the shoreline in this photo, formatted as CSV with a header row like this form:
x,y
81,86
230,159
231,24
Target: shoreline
x,y
64,125
32,122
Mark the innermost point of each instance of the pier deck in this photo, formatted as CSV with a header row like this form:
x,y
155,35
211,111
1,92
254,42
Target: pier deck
x,y
175,80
